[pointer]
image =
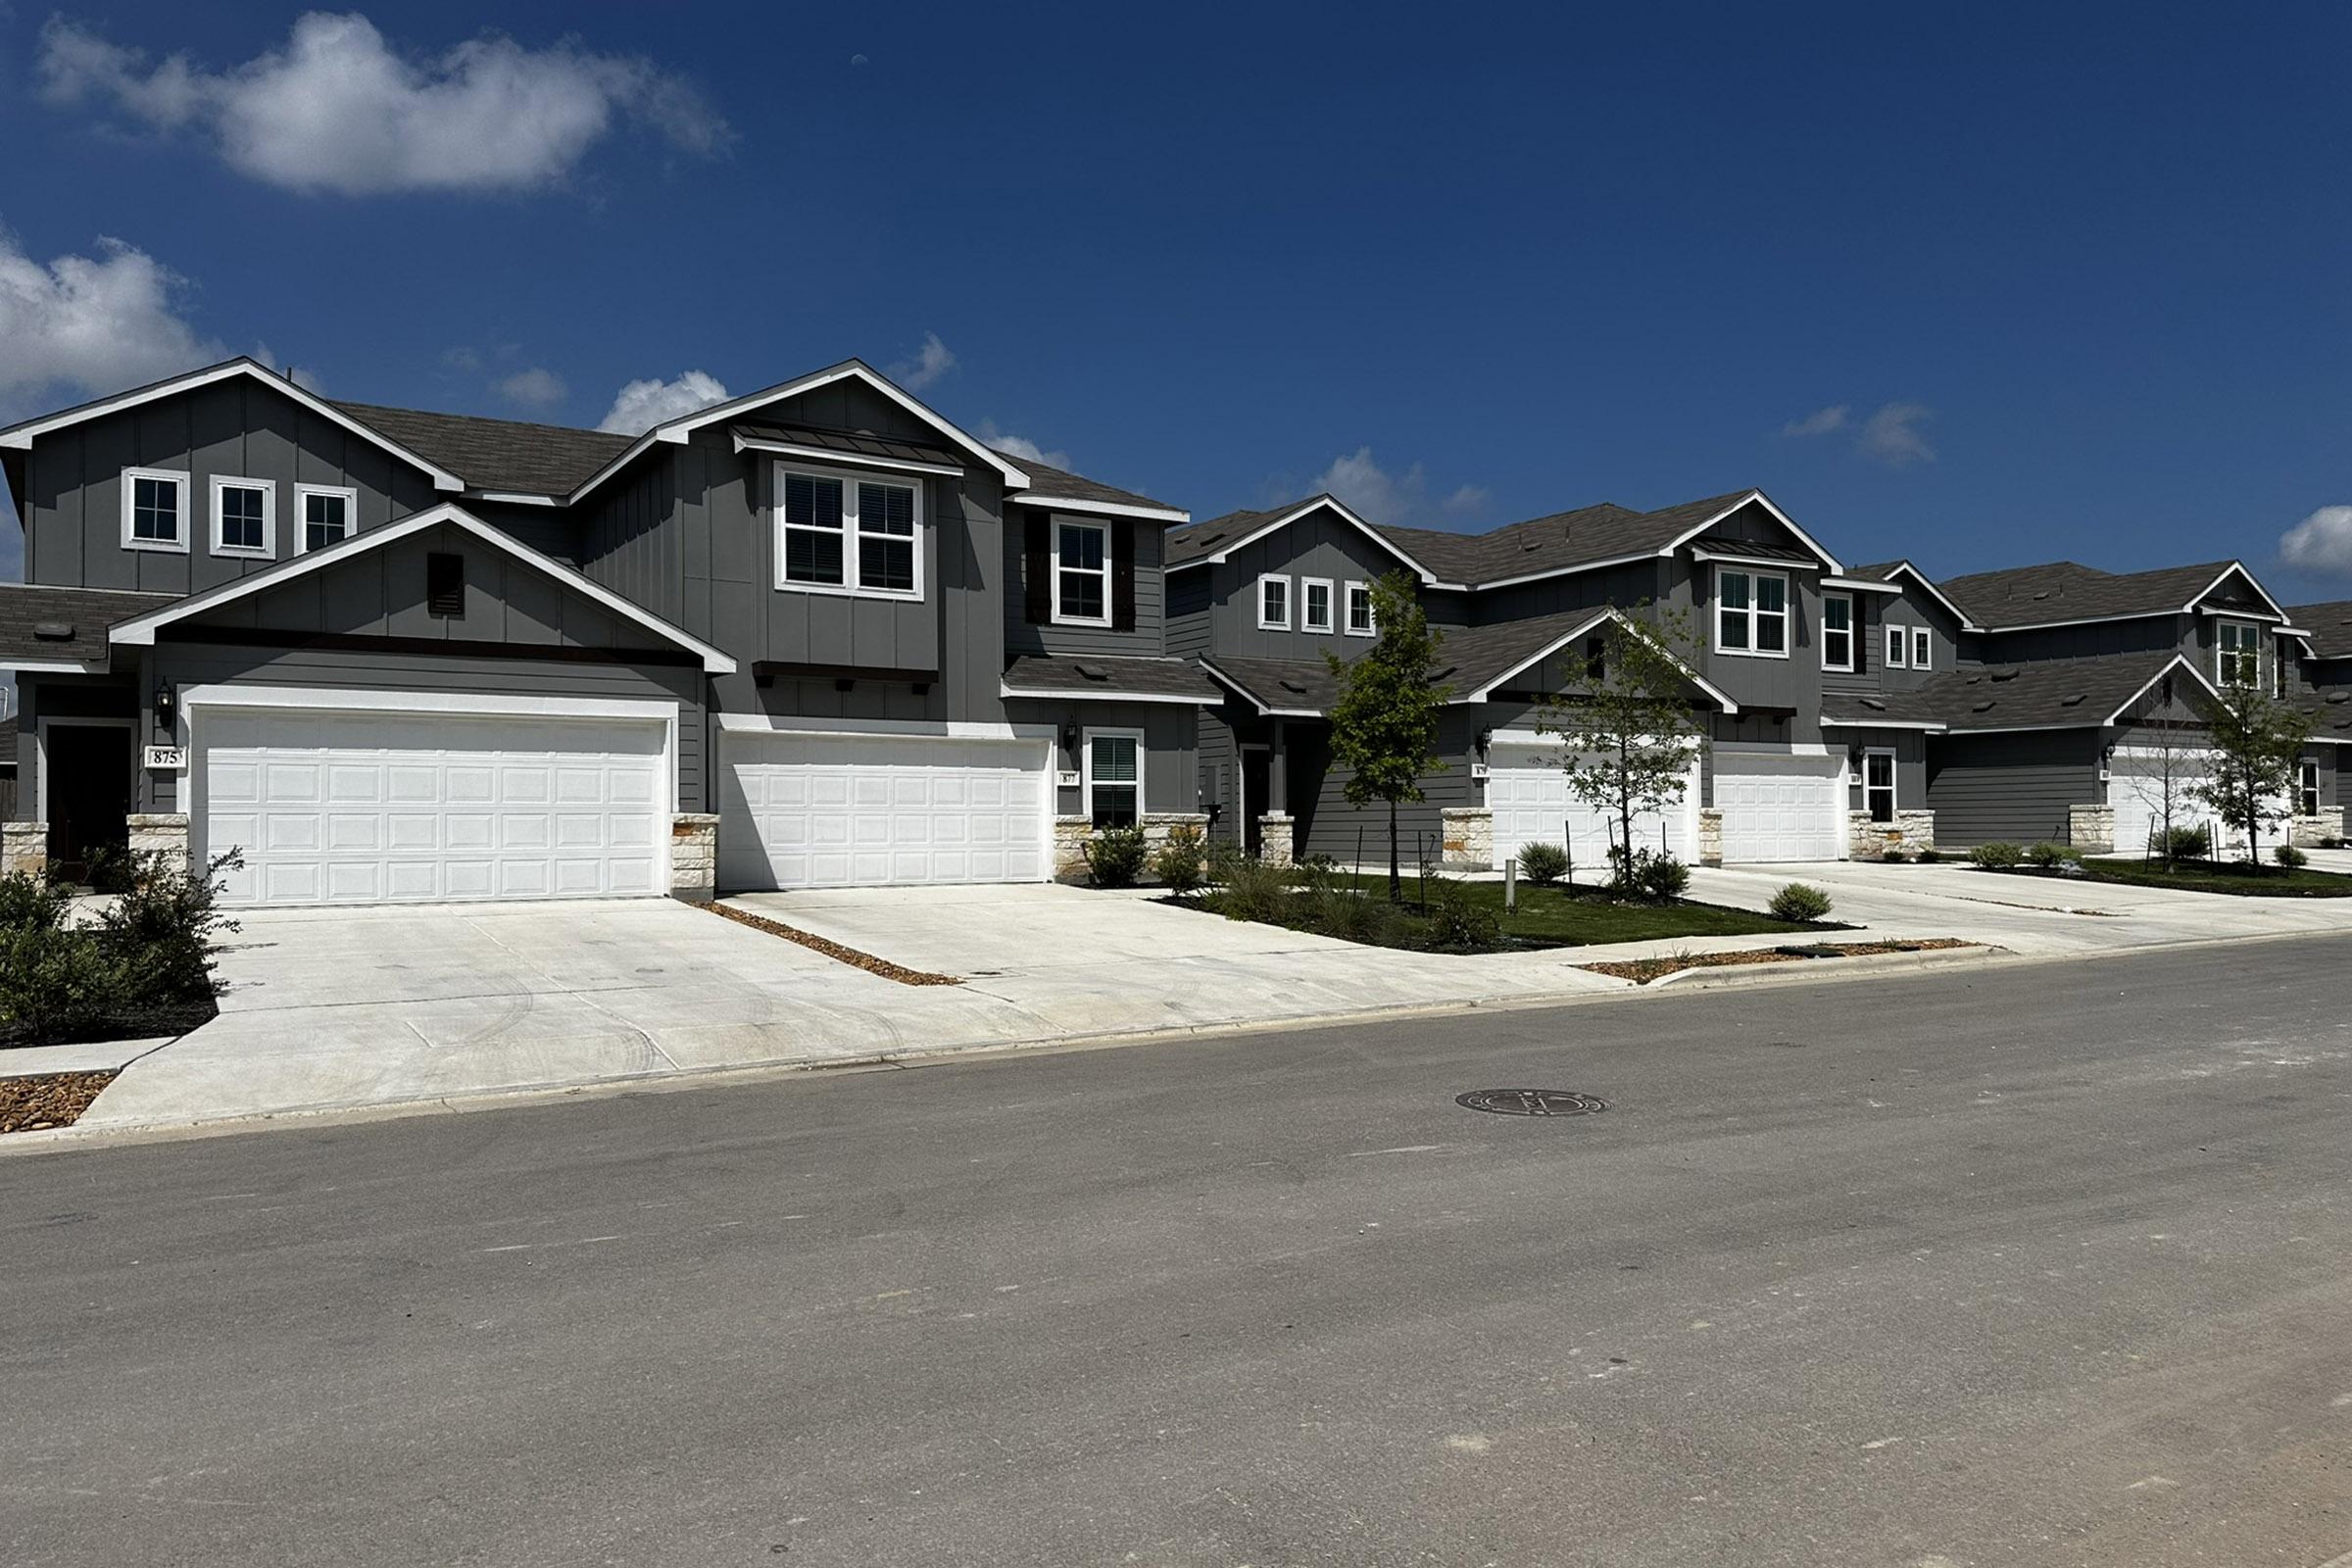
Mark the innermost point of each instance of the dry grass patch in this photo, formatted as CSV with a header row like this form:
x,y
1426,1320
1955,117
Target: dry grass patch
x,y
834,949
1641,971
41,1100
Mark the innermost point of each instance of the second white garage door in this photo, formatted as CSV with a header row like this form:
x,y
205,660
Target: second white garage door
x,y
876,811
1527,791
388,807
1780,805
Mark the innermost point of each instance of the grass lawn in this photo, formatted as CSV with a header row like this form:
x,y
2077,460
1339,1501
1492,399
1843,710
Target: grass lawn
x,y
1559,917
2223,876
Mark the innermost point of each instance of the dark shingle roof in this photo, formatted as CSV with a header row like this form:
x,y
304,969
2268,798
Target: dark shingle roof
x,y
1469,659
69,624
1061,483
2051,693
1054,675
1876,571
539,459
2329,625
1291,684
2067,590
860,443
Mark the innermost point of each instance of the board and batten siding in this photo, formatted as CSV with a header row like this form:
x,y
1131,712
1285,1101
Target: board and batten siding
x,y
1319,545
1022,636
2010,788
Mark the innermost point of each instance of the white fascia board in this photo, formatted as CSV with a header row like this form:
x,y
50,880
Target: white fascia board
x,y
1905,568
1429,578
140,631
1733,558
21,437
1858,585
1758,498
2177,661
1239,690
54,667
2239,567
1557,571
1929,725
913,728
1005,690
793,448
1772,747
1107,508
477,704
513,497
2020,729
1722,699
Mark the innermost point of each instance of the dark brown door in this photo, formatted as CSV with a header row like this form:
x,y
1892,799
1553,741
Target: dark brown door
x,y
88,789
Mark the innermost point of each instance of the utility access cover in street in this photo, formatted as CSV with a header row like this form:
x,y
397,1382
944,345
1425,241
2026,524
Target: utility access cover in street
x,y
1531,1102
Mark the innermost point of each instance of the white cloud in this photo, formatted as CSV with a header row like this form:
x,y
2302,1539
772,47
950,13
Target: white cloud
x,y
535,388
93,324
1380,496
641,405
2321,542
336,109
1819,423
1020,446
931,362
1893,437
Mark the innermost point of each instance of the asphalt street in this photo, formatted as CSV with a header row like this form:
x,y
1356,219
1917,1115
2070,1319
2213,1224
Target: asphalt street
x,y
2033,1264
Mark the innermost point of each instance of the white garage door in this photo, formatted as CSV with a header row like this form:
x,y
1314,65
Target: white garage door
x,y
1527,791
876,811
374,807
2135,788
1780,805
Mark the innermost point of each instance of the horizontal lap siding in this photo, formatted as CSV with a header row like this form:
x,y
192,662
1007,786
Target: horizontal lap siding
x,y
1318,794
2010,787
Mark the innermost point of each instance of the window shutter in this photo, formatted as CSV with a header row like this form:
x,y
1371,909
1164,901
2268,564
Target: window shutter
x,y
1122,577
1037,580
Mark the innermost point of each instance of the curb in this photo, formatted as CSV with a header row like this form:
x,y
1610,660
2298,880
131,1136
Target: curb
x,y
1710,977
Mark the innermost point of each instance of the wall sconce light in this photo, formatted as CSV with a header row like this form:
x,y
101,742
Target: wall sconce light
x,y
1069,739
166,706
1486,738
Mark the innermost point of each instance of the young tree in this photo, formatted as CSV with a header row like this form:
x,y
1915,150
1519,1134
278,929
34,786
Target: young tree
x,y
1631,733
2257,741
1383,728
2175,762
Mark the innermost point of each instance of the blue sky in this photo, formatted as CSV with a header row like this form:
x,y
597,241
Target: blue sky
x,y
1979,286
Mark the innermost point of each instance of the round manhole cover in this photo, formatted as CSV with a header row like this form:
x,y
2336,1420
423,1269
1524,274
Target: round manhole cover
x,y
1532,1102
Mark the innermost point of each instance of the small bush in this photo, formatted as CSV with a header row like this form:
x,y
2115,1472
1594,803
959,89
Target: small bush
x,y
1358,918
163,928
29,902
1544,863
1254,890
1181,862
1457,919
2332,842
2288,856
1891,855
2185,843
55,981
2048,855
1928,857
1115,856
1995,857
1799,902
1661,878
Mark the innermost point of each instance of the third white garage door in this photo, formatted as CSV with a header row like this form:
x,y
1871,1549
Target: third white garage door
x,y
1780,804
802,810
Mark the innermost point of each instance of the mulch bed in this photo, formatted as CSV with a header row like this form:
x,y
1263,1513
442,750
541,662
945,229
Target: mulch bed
x,y
147,1023
1641,971
48,1099
834,949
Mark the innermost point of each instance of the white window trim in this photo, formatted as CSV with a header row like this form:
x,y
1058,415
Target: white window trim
x,y
1755,615
1061,616
185,482
2307,768
850,563
1922,649
1894,781
2221,653
1853,634
1348,624
1289,592
1899,648
269,489
1331,607
302,522
1086,766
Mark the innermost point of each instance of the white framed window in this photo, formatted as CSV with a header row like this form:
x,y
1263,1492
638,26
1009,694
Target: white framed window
x,y
1082,573
2237,654
155,509
1837,632
1751,612
1922,649
1273,603
1898,647
1877,783
323,515
2307,787
244,517
1314,604
848,533
1114,777
1360,611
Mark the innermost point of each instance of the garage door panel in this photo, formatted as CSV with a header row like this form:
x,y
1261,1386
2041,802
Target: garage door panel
x,y
382,806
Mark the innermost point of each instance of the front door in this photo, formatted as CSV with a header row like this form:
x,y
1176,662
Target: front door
x,y
1257,778
88,790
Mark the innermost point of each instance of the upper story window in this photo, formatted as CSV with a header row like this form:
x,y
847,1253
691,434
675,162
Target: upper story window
x,y
1314,604
1899,648
1837,632
1114,777
155,509
1751,612
1082,573
843,533
1922,649
2237,654
1359,609
324,514
1274,604
244,517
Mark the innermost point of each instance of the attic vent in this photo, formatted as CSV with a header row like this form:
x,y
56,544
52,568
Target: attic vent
x,y
2075,701
53,632
2039,597
1530,544
1982,708
1875,705
1212,538
2338,697
445,585
2004,675
1293,686
1089,672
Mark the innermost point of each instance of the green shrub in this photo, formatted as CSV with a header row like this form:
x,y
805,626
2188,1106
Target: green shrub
x,y
2288,856
1180,862
2048,855
31,901
2186,843
1995,857
1544,863
55,981
1891,855
1459,920
163,929
1661,878
1928,857
1252,889
1352,916
1800,901
1115,856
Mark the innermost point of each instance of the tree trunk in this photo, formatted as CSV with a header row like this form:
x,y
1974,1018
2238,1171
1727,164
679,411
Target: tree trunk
x,y
1395,876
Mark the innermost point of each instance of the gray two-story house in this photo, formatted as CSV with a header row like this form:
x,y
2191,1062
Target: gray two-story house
x,y
816,636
